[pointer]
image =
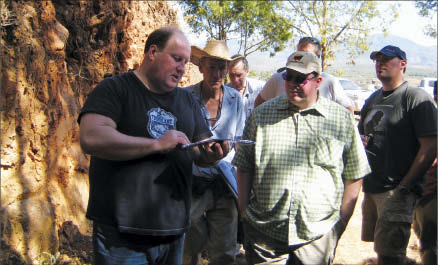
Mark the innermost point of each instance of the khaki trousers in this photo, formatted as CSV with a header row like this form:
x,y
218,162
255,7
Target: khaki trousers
x,y
214,228
261,249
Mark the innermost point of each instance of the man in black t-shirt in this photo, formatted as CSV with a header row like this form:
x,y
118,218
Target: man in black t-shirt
x,y
133,125
398,127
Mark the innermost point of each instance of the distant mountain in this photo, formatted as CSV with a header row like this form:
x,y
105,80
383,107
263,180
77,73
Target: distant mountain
x,y
417,55
262,61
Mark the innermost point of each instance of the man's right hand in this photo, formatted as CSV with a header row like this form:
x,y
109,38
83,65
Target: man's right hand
x,y
99,137
170,140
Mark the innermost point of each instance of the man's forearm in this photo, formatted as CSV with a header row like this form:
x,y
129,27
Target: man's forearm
x,y
244,183
107,143
351,192
99,137
422,162
259,100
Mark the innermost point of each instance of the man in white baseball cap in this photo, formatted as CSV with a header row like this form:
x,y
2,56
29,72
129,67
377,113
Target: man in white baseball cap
x,y
305,143
330,86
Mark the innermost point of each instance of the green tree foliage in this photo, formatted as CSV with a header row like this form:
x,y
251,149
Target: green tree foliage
x,y
256,24
214,17
429,9
340,24
263,28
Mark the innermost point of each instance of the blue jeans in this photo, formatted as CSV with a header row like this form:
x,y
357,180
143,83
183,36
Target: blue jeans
x,y
113,248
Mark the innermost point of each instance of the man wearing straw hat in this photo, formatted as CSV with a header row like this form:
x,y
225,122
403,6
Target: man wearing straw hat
x,y
299,183
214,211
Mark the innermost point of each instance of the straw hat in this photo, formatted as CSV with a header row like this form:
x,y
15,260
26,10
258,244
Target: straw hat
x,y
214,49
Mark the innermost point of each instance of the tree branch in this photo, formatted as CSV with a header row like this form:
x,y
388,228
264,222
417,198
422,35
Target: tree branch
x,y
304,17
300,30
254,45
314,12
348,23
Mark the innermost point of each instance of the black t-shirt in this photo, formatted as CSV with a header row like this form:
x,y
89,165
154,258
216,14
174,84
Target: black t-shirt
x,y
150,195
396,120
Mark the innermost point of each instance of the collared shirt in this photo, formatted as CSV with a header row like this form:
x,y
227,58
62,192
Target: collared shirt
x,y
253,88
232,118
299,162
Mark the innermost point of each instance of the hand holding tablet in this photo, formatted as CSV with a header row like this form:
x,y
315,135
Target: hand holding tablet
x,y
231,141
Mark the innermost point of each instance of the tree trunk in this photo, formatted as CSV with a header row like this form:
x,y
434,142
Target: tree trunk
x,y
53,54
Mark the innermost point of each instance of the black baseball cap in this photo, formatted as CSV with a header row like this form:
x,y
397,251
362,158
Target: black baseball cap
x,y
389,50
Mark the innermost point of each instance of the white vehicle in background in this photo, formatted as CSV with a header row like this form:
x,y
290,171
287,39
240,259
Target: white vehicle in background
x,y
427,84
356,93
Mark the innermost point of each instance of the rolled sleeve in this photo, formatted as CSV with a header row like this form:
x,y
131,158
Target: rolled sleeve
x,y
355,160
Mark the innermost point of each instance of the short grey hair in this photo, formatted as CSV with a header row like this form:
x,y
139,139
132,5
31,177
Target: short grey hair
x,y
241,59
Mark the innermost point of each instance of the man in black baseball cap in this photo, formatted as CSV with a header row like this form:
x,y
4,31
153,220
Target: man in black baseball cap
x,y
391,51
387,53
401,146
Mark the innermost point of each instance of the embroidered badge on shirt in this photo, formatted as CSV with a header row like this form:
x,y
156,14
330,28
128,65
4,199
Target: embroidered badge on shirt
x,y
160,121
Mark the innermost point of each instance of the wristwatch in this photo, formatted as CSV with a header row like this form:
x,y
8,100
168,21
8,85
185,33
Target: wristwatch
x,y
404,190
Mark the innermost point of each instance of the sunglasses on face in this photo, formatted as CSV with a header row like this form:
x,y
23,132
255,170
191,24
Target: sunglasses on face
x,y
299,79
383,58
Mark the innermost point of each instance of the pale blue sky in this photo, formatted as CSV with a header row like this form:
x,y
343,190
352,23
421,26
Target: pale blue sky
x,y
410,25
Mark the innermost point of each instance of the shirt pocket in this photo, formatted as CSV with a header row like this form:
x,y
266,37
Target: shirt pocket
x,y
327,152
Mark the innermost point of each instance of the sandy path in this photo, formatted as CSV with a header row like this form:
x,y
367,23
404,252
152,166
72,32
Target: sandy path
x,y
351,250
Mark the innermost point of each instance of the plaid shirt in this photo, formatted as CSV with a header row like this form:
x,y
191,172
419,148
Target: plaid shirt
x,y
299,161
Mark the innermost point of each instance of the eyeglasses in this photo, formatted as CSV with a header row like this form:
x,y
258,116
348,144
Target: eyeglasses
x,y
298,79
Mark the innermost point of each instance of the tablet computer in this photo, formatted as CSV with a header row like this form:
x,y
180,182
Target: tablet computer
x,y
184,146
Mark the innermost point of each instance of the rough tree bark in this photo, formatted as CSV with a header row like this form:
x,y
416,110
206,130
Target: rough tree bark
x,y
52,55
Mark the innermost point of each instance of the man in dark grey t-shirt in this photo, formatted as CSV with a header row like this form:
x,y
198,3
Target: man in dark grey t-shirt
x,y
398,127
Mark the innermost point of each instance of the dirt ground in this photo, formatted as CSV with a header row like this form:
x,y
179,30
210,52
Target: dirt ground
x,y
352,251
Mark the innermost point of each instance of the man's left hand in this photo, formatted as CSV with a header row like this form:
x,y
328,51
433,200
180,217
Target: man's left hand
x,y
213,152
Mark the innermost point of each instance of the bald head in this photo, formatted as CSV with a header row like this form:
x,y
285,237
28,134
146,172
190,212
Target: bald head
x,y
167,52
161,36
